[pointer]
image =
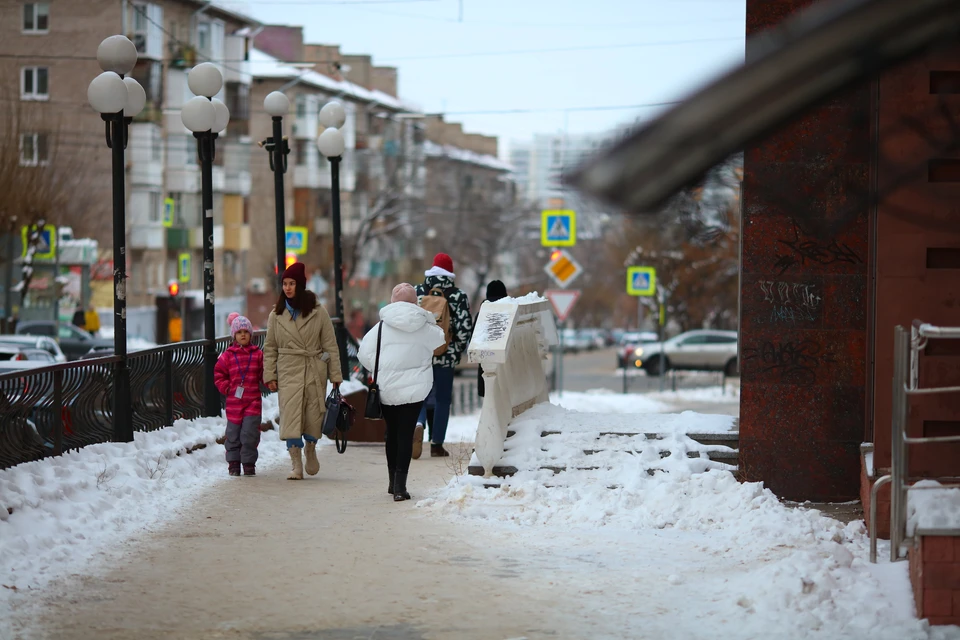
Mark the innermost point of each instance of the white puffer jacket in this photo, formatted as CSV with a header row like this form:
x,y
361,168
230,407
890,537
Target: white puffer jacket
x,y
410,334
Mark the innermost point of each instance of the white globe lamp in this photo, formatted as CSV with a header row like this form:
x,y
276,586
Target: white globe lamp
x,y
331,143
205,79
136,98
276,104
332,115
222,116
198,114
117,54
107,93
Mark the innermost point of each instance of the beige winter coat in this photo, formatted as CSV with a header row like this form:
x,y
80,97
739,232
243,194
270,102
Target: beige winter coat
x,y
300,356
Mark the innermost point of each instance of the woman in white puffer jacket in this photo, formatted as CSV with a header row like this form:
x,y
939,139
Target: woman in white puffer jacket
x,y
405,376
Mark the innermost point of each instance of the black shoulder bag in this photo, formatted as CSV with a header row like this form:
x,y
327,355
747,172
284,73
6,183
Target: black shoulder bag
x,y
373,409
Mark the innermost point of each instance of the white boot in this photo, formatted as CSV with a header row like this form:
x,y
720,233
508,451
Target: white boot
x,y
297,460
313,465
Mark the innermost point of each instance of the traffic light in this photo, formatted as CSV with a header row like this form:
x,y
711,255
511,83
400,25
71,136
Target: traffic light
x,y
555,254
173,288
289,260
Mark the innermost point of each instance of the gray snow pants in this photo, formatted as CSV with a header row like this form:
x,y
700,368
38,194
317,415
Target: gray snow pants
x,y
243,440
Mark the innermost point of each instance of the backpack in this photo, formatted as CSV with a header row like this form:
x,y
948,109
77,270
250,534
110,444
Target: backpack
x,y
437,302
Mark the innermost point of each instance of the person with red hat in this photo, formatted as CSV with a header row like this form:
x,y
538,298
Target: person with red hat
x,y
450,306
299,355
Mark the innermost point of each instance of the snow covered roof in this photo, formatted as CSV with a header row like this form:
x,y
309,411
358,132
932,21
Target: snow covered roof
x,y
434,150
231,9
263,65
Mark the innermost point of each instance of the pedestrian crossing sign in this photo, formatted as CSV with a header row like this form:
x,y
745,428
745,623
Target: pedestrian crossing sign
x,y
46,246
558,228
183,267
296,240
641,281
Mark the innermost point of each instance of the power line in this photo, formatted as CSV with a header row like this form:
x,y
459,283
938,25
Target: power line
x,y
559,49
434,56
547,25
72,105
563,109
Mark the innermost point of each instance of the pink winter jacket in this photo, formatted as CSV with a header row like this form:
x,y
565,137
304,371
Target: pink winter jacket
x,y
235,363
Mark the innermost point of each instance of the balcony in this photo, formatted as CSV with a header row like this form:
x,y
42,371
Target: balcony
x,y
236,167
183,179
178,239
235,49
145,155
236,238
146,237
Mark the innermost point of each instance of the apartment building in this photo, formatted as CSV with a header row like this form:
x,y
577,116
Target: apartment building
x,y
381,174
472,210
48,57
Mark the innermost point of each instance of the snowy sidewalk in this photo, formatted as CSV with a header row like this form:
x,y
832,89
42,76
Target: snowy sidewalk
x,y
673,556
329,557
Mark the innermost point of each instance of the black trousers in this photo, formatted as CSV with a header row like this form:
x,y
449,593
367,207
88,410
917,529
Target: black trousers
x,y
401,420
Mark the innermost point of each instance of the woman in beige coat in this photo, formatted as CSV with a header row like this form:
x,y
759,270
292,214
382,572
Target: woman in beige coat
x,y
299,356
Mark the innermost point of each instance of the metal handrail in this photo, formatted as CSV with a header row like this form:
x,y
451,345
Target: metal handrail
x,y
905,381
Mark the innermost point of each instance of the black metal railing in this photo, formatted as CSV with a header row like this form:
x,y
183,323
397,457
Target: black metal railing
x,y
49,410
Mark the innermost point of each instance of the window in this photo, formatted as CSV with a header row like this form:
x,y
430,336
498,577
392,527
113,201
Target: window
x,y
301,159
203,38
36,17
301,102
156,144
154,212
177,208
238,100
69,333
34,149
34,83
718,339
692,340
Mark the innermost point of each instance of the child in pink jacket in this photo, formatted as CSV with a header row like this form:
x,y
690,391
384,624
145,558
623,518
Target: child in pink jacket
x,y
237,375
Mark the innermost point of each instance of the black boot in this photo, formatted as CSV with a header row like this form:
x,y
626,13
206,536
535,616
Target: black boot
x,y
390,486
400,487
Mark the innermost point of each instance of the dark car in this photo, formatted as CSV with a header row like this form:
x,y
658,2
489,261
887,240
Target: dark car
x,y
73,340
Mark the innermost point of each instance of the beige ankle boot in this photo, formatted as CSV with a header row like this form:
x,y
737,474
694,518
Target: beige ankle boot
x,y
313,465
297,460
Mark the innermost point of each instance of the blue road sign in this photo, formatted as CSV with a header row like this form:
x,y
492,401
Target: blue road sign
x,y
641,281
558,228
296,240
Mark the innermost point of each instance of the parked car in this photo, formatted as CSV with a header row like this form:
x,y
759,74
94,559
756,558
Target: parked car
x,y
700,350
36,342
591,339
38,355
13,358
629,342
73,340
573,341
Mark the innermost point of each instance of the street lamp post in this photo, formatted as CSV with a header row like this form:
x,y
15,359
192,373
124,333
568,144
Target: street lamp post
x,y
118,100
206,117
278,105
332,145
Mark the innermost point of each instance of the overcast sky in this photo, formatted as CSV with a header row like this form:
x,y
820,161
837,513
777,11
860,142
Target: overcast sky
x,y
543,57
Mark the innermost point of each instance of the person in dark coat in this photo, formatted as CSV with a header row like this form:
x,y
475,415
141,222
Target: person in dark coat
x,y
496,290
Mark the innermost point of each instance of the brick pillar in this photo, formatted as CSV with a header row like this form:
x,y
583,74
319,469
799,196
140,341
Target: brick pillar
x,y
804,295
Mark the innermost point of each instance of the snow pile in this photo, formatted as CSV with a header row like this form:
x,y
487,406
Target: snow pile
x,y
711,550
606,401
525,299
729,393
57,512
931,507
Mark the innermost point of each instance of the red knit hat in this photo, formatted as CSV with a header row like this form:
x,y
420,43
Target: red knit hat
x,y
443,261
297,271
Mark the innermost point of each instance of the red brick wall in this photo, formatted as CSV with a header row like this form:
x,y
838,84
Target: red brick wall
x,y
804,297
935,576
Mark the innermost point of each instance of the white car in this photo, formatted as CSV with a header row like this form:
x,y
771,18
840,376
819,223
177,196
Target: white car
x,y
44,343
700,350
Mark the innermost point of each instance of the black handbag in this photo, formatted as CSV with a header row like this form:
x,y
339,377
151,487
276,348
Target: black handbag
x,y
338,420
373,410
